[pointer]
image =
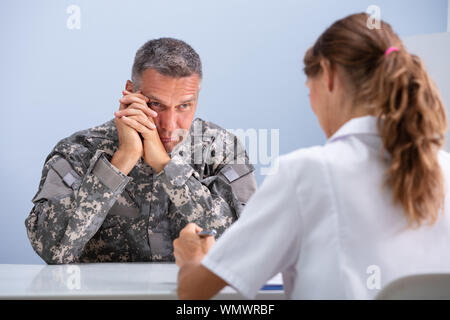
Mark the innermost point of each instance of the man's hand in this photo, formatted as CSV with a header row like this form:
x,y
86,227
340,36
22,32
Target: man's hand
x,y
130,143
139,116
190,247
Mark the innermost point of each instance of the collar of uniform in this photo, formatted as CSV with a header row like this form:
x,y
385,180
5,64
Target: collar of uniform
x,y
360,125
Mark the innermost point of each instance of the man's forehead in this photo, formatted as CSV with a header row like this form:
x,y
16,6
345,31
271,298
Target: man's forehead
x,y
170,97
164,99
159,87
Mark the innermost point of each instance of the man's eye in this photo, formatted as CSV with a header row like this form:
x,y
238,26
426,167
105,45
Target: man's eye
x,y
154,104
184,106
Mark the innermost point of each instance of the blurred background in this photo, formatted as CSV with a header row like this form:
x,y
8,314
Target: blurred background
x,y
56,80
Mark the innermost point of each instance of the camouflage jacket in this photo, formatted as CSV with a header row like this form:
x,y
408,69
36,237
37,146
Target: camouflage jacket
x,y
86,210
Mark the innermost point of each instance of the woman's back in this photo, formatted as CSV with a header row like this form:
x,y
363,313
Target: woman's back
x,y
339,220
354,239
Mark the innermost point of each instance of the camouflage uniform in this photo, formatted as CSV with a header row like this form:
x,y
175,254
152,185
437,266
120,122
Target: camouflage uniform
x,y
86,210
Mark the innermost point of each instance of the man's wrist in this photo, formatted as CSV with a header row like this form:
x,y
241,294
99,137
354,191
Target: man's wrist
x,y
161,164
124,161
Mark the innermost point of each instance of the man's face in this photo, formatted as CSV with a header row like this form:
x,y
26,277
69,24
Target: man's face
x,y
175,101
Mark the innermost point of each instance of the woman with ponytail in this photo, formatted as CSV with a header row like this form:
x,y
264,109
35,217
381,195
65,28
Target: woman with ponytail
x,y
344,219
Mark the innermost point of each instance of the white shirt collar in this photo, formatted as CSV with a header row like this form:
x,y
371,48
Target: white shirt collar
x,y
360,125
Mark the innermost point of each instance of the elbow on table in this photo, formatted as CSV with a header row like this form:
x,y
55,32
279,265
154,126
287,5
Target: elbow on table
x,y
54,255
195,282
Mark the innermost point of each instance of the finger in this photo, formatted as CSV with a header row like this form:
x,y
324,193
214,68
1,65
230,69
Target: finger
x,y
142,119
128,99
123,106
138,116
138,93
119,120
191,228
149,112
141,95
209,242
131,112
135,125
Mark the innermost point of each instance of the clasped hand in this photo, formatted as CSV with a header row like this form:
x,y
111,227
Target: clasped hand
x,y
133,118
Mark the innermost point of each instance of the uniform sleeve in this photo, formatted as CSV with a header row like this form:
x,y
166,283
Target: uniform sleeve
x,y
70,205
214,201
264,241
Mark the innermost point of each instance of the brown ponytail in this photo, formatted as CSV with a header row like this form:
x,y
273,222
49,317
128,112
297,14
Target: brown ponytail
x,y
412,120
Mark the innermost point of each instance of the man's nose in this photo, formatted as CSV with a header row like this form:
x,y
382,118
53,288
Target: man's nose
x,y
168,120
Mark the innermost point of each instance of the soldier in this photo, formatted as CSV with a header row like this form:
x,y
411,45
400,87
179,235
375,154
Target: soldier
x,y
123,190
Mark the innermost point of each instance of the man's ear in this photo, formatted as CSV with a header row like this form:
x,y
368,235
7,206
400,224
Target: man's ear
x,y
129,86
328,74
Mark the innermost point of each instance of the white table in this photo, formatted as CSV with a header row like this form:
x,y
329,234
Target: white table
x,y
100,281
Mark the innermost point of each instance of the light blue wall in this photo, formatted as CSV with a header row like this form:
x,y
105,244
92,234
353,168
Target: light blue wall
x,y
55,81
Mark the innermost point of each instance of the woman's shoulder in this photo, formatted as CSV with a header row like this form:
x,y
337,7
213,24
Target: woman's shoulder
x,y
444,156
301,161
444,161
303,154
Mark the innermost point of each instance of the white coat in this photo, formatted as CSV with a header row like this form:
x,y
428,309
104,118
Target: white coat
x,y
328,223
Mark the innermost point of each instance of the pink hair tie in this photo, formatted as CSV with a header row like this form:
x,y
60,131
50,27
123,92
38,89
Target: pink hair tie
x,y
391,49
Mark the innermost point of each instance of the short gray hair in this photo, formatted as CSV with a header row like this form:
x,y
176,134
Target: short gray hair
x,y
168,56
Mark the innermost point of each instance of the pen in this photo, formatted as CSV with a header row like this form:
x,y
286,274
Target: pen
x,y
207,233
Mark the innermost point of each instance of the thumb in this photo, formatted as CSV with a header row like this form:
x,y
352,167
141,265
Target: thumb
x,y
191,228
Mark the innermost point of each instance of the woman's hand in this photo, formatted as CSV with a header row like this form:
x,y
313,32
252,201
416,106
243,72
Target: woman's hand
x,y
190,247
